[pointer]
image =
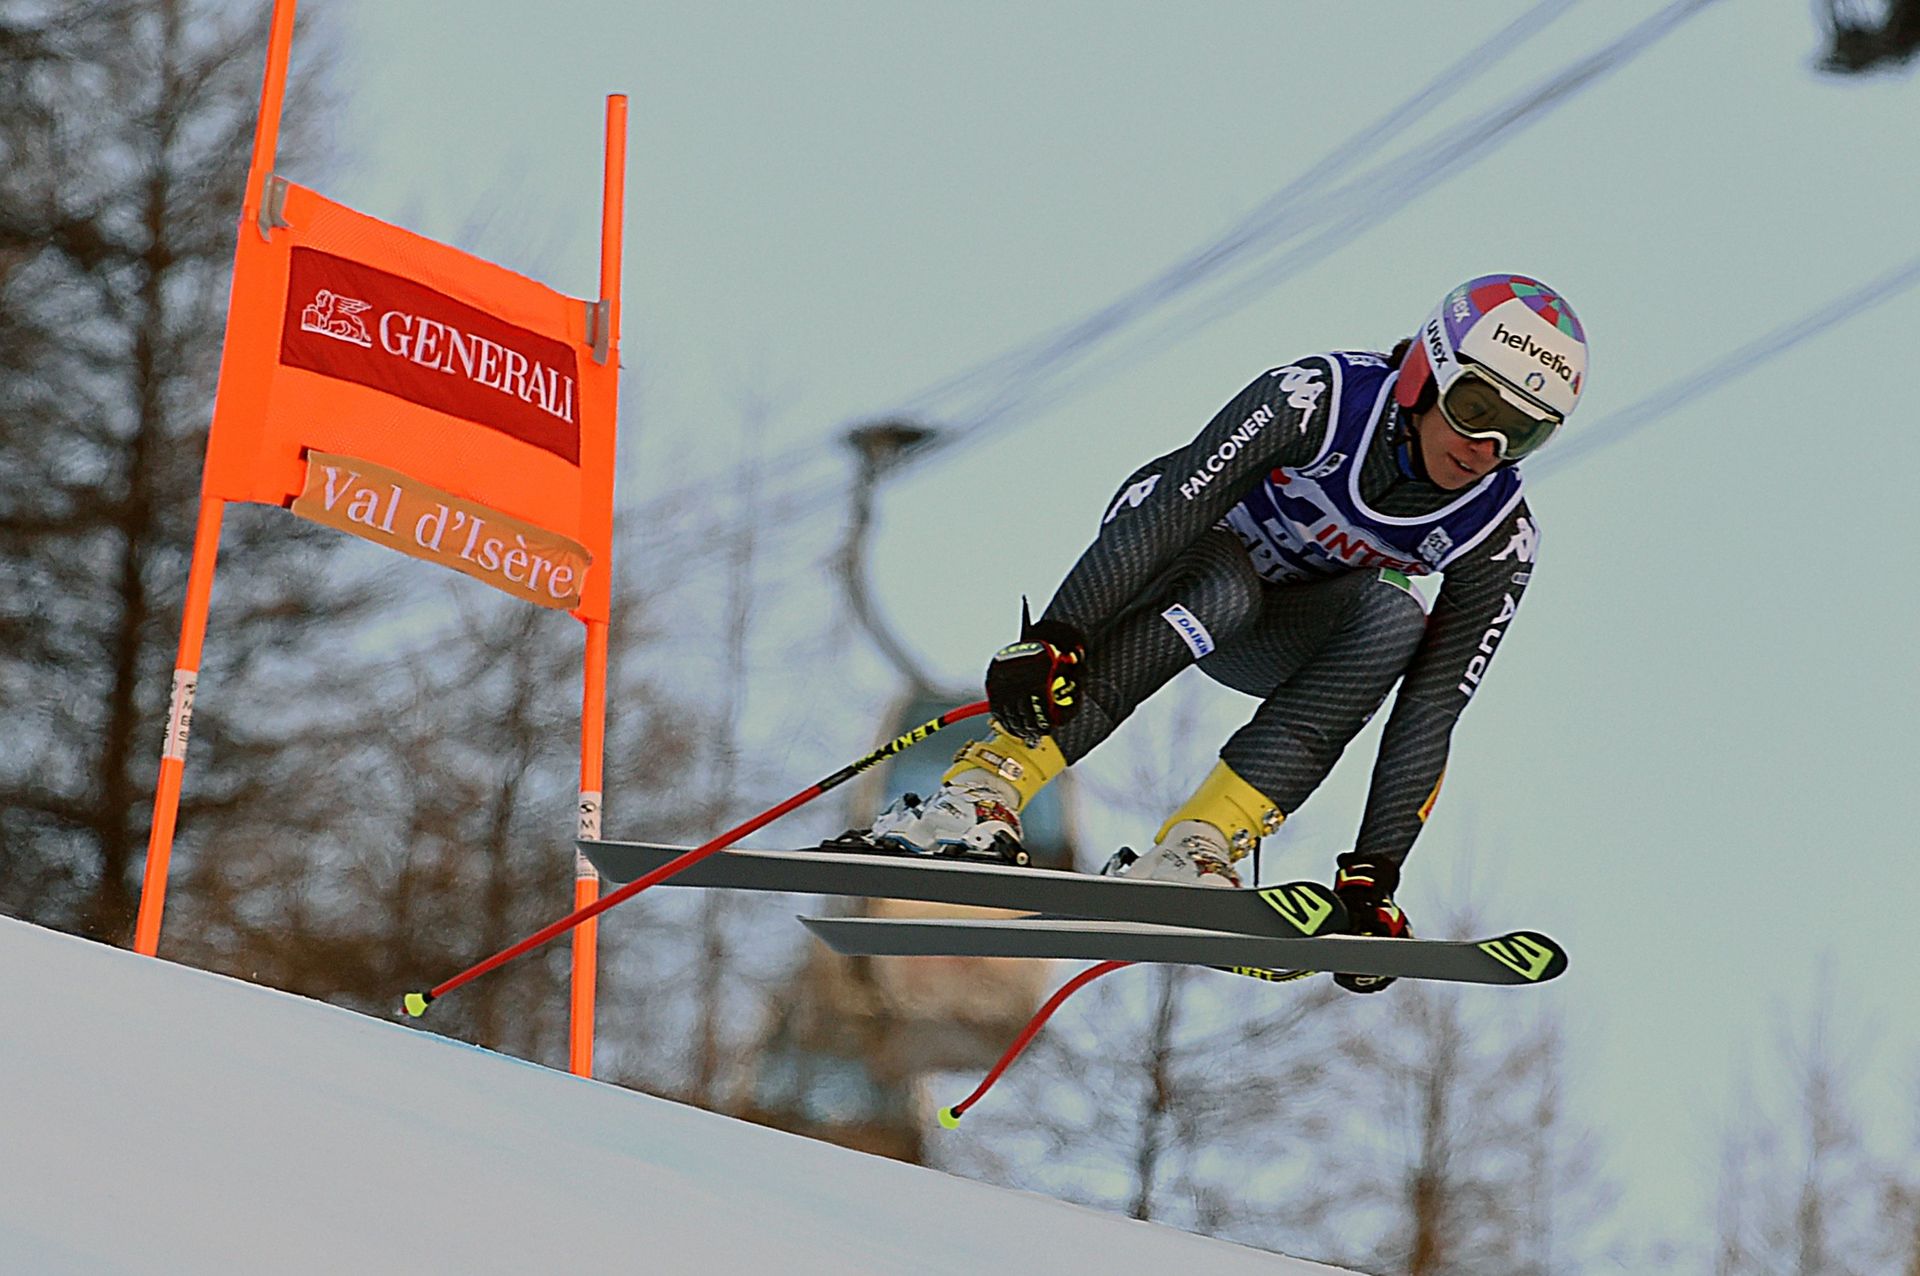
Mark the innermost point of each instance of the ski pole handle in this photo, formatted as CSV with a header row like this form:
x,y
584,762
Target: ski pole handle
x,y
416,1003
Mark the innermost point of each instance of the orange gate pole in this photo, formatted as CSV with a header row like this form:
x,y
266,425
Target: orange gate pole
x,y
593,710
206,536
586,882
266,129
173,753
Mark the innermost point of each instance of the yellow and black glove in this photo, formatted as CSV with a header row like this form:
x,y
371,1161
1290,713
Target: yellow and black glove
x,y
1033,686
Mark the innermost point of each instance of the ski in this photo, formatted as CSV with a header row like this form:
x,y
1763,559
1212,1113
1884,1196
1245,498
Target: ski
x,y
1288,908
1520,957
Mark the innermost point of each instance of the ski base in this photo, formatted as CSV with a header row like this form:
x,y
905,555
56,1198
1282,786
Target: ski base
x,y
1522,957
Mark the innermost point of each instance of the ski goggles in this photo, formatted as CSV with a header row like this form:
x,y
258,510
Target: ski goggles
x,y
1479,405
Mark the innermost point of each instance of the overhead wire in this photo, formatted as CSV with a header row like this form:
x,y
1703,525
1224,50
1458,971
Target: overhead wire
x,y
1296,206
1747,358
1254,228
1031,376
1345,213
1043,372
1736,363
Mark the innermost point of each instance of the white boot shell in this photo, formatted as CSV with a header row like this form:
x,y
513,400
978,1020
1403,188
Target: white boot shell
x,y
1193,853
967,813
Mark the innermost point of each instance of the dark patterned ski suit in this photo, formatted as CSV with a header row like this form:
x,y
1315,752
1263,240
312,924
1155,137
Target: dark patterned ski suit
x,y
1270,550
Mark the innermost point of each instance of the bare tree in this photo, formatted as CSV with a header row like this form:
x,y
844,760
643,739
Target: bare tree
x,y
382,775
1455,1152
697,969
1801,1190
723,734
437,836
1900,1196
122,161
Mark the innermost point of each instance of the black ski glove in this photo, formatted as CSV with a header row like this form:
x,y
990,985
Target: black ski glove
x,y
1365,884
1033,686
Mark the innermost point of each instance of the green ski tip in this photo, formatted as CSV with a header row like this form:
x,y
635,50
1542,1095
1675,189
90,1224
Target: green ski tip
x,y
949,1119
416,1004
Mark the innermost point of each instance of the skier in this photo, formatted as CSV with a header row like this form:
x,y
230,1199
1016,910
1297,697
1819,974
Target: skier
x,y
1274,550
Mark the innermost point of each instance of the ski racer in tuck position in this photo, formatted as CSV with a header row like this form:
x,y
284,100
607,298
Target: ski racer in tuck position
x,y
1274,551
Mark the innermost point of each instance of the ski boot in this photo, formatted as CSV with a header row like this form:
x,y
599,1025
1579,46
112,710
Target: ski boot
x,y
1216,828
1365,884
972,816
1192,852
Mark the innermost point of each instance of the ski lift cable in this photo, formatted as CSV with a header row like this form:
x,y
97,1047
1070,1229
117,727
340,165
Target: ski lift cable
x,y
1730,366
1254,227
1352,210
1670,398
1295,207
1737,363
1348,211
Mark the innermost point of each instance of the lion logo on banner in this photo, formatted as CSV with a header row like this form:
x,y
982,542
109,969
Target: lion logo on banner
x,y
332,315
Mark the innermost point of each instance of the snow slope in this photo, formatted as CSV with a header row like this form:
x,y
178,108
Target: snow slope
x,y
159,1119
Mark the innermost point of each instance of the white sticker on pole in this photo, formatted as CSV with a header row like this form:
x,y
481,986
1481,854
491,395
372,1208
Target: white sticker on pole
x,y
179,714
587,830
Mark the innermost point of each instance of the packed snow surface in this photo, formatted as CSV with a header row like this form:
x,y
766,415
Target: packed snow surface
x,y
164,1120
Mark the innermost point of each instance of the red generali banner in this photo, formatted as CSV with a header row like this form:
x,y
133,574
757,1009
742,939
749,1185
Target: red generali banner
x,y
376,329
419,397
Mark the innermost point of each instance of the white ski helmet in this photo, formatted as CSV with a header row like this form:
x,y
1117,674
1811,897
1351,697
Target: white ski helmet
x,y
1506,357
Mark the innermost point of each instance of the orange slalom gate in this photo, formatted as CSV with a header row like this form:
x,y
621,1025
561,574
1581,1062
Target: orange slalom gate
x,y
424,399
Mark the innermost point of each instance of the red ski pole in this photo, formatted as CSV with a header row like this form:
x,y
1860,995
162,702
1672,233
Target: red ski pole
x,y
950,1117
416,1003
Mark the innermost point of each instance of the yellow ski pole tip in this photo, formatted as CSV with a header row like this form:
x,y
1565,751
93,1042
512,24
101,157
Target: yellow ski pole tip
x,y
416,1004
949,1119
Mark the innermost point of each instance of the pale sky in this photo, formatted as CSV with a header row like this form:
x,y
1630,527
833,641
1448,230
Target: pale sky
x,y
1690,762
